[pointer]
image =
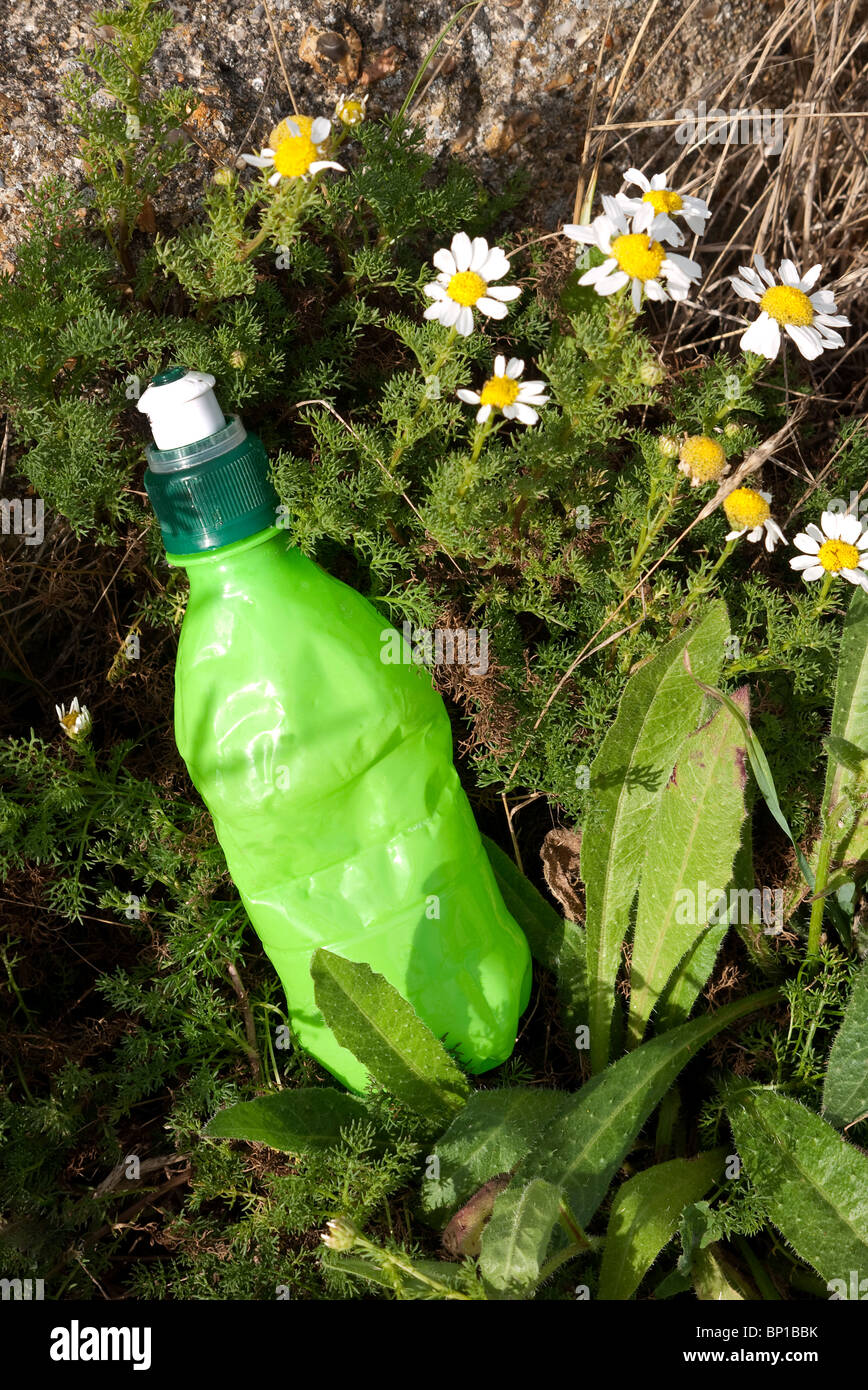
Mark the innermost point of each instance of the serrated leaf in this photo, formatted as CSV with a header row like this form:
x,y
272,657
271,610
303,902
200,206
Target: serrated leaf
x,y
813,1183
645,1217
370,1017
692,846
292,1121
581,1149
516,1238
491,1135
659,708
558,944
845,1093
844,794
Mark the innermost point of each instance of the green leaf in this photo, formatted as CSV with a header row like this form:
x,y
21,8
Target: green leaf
x,y
557,944
369,1016
814,1184
491,1135
845,1093
292,1121
581,1149
516,1238
844,794
659,708
692,846
714,1281
645,1217
760,767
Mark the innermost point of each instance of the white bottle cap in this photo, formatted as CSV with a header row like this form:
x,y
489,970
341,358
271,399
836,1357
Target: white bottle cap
x,y
181,408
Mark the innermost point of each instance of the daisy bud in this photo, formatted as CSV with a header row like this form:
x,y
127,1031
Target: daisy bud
x,y
224,177
76,721
668,446
651,374
702,459
237,359
341,1234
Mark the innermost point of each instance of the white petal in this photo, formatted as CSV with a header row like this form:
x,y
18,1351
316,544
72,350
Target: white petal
x,y
525,414
293,129
578,233
434,290
810,278
830,338
319,164
832,320
515,367
788,273
807,543
479,254
449,312
435,310
492,307
636,294
809,574
500,365
464,321
275,179
856,578
815,533
496,265
807,340
611,283
531,385
743,288
445,261
831,524
643,217
823,300
320,130
482,414
755,535
851,528
636,176
696,222
763,270
690,269
763,337
471,397
654,290
259,161
504,292
462,250
734,535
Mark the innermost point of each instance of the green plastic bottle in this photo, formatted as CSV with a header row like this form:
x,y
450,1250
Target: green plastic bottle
x,y
327,770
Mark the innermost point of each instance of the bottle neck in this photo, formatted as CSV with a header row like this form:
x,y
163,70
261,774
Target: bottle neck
x,y
206,562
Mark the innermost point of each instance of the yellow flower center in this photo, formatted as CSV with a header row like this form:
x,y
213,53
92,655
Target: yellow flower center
x,y
294,156
745,508
703,457
282,131
466,287
499,391
835,556
351,112
788,305
663,199
638,255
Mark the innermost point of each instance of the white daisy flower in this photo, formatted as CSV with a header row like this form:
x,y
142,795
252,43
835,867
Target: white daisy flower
x,y
636,258
837,546
464,283
750,511
503,392
809,319
295,149
658,200
75,721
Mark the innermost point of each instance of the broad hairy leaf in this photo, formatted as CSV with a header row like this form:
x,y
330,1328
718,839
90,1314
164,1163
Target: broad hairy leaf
x,y
369,1016
491,1135
292,1121
813,1183
515,1240
845,1093
844,794
645,1216
556,943
692,844
581,1149
659,708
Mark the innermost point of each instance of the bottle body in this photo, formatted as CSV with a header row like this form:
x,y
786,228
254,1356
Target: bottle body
x,y
329,777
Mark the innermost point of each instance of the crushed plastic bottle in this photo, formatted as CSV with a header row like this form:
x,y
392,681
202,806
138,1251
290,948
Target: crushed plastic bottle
x,y
327,770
